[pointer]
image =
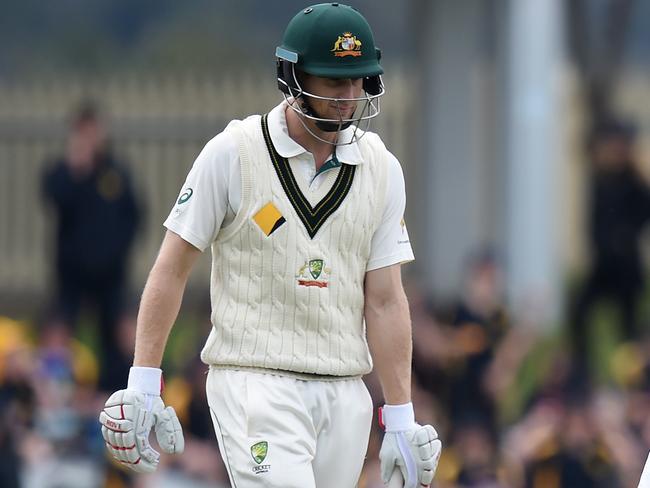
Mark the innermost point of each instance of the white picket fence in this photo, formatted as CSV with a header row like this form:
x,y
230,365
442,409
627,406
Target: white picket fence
x,y
158,126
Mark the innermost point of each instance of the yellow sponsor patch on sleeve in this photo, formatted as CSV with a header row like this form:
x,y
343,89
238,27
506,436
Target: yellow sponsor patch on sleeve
x,y
268,218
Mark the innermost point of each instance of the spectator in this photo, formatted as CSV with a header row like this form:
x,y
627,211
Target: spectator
x,y
559,443
618,210
485,349
468,357
17,404
477,456
97,216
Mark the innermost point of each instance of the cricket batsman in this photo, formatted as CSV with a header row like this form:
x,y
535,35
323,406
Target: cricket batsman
x,y
302,208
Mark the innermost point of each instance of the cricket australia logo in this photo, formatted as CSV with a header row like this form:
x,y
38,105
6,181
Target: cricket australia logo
x,y
314,273
259,452
347,45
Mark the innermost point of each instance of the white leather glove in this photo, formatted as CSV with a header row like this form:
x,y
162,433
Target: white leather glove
x,y
129,415
412,448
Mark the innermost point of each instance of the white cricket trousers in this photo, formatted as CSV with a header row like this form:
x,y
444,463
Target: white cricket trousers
x,y
282,432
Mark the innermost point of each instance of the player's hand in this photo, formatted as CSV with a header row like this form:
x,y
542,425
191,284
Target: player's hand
x,y
412,448
127,420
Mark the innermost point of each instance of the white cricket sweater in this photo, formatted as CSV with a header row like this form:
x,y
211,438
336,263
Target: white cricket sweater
x,y
288,274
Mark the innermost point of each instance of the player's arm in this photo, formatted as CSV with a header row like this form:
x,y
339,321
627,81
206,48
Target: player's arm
x,y
129,415
161,299
388,325
409,453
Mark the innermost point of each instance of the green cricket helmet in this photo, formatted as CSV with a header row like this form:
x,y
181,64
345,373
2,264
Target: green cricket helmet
x,y
330,40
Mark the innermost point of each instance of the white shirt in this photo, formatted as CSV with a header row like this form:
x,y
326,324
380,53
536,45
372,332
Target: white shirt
x,y
211,194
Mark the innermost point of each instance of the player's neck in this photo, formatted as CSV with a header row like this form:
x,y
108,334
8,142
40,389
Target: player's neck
x,y
319,149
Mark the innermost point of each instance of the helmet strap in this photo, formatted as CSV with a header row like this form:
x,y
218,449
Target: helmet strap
x,y
321,124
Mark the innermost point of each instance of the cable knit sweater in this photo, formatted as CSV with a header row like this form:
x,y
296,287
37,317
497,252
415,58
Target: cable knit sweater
x,y
288,272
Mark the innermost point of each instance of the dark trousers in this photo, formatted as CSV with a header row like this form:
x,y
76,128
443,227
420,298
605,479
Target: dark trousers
x,y
10,463
104,295
622,290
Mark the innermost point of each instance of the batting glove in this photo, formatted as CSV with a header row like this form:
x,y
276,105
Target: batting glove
x,y
412,448
129,415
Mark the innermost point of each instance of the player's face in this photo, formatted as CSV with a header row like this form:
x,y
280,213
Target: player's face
x,y
333,88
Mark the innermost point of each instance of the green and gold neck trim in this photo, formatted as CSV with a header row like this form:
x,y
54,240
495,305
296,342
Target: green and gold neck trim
x,y
312,218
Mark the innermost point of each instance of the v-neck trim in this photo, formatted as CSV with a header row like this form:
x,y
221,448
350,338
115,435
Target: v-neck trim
x,y
312,218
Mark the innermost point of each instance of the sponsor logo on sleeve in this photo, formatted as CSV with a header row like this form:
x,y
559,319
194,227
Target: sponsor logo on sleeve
x,y
405,237
185,196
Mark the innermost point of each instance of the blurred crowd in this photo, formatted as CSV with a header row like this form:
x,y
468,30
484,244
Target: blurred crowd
x,y
515,405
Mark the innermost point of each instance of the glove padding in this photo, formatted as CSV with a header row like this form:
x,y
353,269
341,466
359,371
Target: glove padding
x,y
415,452
127,420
